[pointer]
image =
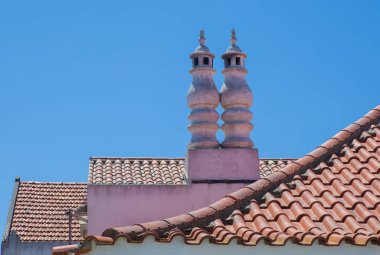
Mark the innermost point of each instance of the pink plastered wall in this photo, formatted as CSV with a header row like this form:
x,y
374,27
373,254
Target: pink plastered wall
x,y
122,205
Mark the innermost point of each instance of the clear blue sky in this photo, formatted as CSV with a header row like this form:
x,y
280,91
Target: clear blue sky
x,y
109,78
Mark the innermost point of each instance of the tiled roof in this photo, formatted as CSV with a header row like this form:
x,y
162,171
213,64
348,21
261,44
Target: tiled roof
x,y
155,170
269,166
40,210
136,171
330,196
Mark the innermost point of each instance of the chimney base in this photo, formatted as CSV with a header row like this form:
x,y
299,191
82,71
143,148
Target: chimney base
x,y
222,164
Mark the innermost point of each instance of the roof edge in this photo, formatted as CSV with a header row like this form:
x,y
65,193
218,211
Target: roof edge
x,y
239,198
11,208
81,249
65,249
69,183
139,158
175,158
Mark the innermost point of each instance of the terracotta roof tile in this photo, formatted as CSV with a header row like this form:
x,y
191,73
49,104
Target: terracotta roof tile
x,y
330,196
40,210
155,170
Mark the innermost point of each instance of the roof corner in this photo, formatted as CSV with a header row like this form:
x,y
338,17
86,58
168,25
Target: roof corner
x,y
12,205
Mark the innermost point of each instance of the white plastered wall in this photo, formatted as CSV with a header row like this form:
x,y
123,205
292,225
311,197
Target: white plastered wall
x,y
177,247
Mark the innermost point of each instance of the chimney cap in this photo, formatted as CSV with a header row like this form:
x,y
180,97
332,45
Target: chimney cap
x,y
202,40
233,40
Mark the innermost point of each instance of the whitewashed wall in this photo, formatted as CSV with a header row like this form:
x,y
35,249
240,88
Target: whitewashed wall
x,y
13,246
177,247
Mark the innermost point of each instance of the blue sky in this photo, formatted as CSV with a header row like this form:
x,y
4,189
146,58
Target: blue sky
x,y
109,78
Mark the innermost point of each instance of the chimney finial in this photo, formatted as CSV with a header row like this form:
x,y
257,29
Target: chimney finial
x,y
202,38
233,37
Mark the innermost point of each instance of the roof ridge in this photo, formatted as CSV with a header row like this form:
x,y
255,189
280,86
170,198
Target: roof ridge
x,y
180,158
238,199
139,158
278,158
48,182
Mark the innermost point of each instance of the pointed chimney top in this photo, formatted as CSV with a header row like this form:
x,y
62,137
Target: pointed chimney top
x,y
233,40
202,40
233,37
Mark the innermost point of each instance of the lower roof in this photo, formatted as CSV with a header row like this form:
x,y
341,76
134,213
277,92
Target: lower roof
x,y
127,170
40,211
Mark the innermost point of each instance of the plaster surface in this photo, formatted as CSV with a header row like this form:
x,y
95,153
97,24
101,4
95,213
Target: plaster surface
x,y
222,164
13,246
122,205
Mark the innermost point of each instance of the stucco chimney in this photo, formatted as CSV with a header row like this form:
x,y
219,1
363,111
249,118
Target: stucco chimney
x,y
236,98
235,159
203,99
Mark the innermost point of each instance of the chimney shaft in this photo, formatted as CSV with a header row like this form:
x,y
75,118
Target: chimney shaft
x,y
203,99
236,98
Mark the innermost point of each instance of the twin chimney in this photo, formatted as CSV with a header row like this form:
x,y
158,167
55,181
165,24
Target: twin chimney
x,y
234,159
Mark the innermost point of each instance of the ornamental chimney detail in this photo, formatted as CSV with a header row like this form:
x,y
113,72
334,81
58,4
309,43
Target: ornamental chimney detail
x,y
236,98
203,99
